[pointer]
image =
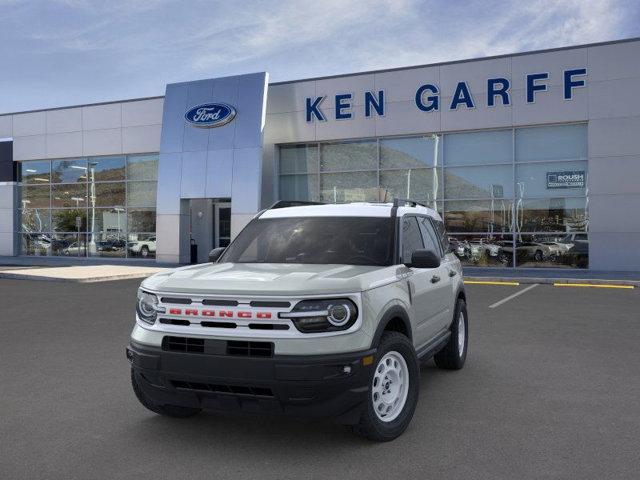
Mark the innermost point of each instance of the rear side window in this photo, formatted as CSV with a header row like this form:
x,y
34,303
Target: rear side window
x,y
411,238
431,241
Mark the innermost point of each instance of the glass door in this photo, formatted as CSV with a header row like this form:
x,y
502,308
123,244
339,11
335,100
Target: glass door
x,y
222,224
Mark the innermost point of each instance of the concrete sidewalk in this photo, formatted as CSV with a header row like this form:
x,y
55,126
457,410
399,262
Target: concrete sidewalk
x,y
79,273
551,276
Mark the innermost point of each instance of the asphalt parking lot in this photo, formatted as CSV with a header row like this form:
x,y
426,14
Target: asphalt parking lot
x,y
551,389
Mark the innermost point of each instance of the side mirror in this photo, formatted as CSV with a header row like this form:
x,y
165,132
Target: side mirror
x,y
215,254
424,259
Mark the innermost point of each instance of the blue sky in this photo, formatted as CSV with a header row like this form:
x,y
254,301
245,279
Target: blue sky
x,y
66,52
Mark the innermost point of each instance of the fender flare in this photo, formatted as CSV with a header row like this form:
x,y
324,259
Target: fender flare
x,y
395,311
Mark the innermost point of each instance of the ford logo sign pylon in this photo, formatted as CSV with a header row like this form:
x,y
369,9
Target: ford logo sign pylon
x,y
210,115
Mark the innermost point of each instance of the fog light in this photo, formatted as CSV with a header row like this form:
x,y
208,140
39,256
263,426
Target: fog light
x,y
368,360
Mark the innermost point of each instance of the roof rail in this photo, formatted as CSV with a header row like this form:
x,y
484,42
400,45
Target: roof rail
x,y
293,203
399,202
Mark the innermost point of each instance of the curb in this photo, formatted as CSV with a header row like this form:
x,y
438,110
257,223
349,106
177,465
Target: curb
x,y
18,276
551,281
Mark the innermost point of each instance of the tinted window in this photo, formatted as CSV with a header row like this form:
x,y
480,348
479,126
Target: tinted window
x,y
411,238
429,236
317,240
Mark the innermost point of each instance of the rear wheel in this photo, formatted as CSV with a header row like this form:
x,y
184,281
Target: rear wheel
x,y
454,354
166,410
144,251
393,392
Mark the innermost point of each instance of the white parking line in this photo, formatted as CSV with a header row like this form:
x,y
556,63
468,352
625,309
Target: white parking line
x,y
511,297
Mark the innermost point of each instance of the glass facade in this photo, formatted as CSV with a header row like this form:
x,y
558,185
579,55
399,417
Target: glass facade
x,y
512,197
95,206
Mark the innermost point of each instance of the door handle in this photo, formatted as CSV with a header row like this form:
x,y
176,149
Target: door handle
x,y
435,279
452,273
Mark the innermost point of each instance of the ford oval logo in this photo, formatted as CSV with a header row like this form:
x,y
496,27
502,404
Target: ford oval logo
x,y
210,115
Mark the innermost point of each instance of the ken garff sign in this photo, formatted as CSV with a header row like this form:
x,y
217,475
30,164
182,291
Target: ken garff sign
x,y
210,115
568,179
427,96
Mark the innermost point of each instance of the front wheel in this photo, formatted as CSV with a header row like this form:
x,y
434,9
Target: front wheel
x,y
393,391
454,353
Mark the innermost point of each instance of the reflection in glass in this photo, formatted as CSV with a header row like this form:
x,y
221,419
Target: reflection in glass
x,y
141,194
478,182
69,245
69,195
412,152
349,187
552,214
35,220
558,142
347,156
299,187
142,245
103,245
35,172
142,167
37,244
298,159
478,216
420,184
552,250
478,148
142,220
545,179
109,194
483,250
69,171
35,196
107,168
65,220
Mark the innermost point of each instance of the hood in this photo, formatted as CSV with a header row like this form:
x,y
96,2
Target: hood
x,y
269,279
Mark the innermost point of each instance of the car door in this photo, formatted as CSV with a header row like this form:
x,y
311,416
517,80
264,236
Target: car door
x,y
444,286
422,283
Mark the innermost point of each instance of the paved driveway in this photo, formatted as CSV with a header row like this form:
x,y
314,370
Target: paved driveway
x,y
551,390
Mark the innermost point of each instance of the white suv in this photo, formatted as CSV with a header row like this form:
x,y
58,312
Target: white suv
x,y
321,310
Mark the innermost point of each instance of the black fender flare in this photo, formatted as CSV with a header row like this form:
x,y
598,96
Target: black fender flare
x,y
395,311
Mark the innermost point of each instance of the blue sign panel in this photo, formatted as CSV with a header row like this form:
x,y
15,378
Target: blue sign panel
x,y
210,115
569,179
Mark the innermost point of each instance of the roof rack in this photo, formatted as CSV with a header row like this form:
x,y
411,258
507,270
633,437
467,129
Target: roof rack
x,y
400,202
293,203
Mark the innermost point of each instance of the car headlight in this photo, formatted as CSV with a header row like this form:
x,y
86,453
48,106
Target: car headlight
x,y
315,316
147,307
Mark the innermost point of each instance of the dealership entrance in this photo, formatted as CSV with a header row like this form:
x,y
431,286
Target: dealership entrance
x,y
210,225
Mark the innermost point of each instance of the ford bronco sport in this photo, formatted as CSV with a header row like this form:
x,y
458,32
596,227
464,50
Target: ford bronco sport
x,y
313,310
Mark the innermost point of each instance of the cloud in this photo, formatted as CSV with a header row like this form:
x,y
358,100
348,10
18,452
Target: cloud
x,y
79,51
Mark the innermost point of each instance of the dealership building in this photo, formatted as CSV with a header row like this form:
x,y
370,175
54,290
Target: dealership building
x,y
532,159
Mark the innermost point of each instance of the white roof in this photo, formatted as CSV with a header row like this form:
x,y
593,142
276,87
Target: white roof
x,y
347,210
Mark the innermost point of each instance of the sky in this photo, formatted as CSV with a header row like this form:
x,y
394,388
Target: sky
x,y
69,52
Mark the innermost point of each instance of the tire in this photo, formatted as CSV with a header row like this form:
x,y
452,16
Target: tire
x,y
174,411
397,349
452,356
538,256
144,251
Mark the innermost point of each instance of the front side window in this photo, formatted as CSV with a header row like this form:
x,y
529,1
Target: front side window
x,y
411,238
314,240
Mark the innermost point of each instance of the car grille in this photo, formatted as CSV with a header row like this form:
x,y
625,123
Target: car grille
x,y
229,389
217,347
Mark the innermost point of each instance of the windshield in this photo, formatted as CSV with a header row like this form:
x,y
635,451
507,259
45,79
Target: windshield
x,y
319,240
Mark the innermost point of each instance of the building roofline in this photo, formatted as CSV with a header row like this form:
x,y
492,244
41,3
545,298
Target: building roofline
x,y
355,74
467,60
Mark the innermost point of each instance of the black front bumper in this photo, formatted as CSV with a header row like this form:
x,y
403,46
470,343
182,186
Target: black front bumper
x,y
298,385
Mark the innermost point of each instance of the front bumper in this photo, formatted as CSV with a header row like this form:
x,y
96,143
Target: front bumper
x,y
298,385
